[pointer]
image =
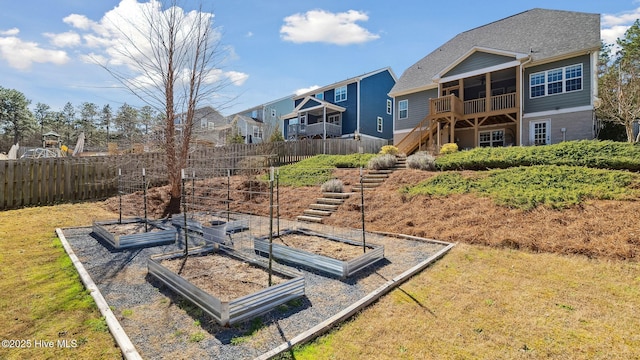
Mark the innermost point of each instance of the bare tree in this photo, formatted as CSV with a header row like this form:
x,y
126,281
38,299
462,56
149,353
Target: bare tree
x,y
173,61
619,82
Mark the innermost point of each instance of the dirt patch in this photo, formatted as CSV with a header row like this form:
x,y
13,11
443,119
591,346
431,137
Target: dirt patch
x,y
223,277
321,246
129,228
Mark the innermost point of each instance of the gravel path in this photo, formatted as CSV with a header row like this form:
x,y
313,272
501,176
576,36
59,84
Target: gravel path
x,y
162,325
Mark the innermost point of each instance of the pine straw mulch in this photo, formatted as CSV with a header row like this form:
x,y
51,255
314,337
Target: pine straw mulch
x,y
221,276
596,228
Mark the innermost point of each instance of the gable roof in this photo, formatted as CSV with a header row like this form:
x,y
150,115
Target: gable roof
x,y
542,34
247,120
311,103
345,82
212,115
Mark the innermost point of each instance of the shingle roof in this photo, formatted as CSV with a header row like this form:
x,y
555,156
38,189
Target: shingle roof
x,y
545,34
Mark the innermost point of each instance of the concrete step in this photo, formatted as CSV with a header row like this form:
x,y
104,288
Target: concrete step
x,y
357,189
326,207
368,180
383,171
336,195
312,212
313,219
329,201
376,176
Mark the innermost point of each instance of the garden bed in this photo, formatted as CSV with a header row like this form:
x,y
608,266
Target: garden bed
x,y
226,285
330,254
134,232
210,226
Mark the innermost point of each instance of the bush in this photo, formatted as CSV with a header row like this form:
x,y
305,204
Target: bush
x,y
449,148
421,161
389,149
382,162
332,186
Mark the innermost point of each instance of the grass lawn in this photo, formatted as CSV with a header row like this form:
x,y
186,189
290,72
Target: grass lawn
x,y
487,303
42,295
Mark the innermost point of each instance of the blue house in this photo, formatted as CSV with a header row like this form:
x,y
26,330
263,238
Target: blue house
x,y
528,79
359,105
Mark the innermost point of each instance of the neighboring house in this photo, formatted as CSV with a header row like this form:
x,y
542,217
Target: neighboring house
x,y
209,126
251,130
528,79
359,105
269,114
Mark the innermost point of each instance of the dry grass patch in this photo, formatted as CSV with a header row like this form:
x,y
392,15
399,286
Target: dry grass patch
x,y
486,303
42,296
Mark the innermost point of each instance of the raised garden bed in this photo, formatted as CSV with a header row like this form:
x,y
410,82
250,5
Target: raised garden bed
x,y
130,233
212,227
330,254
226,285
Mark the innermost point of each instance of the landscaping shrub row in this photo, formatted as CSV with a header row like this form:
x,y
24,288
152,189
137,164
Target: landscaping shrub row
x,y
588,153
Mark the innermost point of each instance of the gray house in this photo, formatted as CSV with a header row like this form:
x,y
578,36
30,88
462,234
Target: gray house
x,y
528,79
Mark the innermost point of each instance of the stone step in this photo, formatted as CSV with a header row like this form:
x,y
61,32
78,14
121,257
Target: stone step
x,y
313,219
329,201
369,180
326,207
357,189
336,195
376,176
383,171
312,212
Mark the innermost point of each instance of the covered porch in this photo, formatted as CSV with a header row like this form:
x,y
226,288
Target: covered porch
x,y
314,119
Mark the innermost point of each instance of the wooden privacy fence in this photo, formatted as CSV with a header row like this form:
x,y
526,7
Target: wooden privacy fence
x,y
46,181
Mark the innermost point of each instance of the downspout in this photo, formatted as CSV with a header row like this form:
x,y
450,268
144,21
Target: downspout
x,y
522,94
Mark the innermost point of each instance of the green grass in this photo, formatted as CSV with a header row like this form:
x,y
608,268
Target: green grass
x,y
588,153
529,187
318,169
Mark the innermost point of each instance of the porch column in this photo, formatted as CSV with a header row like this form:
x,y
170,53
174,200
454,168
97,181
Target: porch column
x,y
518,112
487,89
324,122
452,129
475,132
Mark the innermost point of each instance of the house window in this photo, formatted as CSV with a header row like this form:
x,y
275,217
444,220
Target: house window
x,y
403,109
320,96
380,121
341,94
334,119
556,81
491,138
257,132
389,105
204,123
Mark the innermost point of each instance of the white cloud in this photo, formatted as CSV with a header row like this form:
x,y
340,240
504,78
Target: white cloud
x,y
66,39
306,90
323,26
10,32
237,78
22,54
249,34
615,25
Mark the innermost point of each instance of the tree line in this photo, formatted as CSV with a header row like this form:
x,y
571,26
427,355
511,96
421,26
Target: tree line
x,y
22,124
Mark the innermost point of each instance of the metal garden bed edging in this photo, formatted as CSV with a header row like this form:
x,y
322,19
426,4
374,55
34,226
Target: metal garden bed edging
x,y
212,233
166,235
327,264
237,310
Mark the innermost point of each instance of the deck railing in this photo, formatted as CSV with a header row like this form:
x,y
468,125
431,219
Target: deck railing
x,y
453,104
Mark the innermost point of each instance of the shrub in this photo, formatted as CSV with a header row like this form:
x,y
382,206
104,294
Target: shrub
x,y
333,186
389,149
381,162
421,161
449,148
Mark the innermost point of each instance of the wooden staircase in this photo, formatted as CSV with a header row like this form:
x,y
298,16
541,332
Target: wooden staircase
x,y
423,132
323,207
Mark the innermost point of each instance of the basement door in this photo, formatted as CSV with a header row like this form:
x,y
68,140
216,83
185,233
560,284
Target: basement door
x,y
540,132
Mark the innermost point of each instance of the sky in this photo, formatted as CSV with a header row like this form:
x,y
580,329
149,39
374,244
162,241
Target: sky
x,y
271,49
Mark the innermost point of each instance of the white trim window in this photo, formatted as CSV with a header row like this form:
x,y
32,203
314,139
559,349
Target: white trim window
x,y
320,96
491,138
257,132
340,94
555,81
389,107
334,119
403,109
379,124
